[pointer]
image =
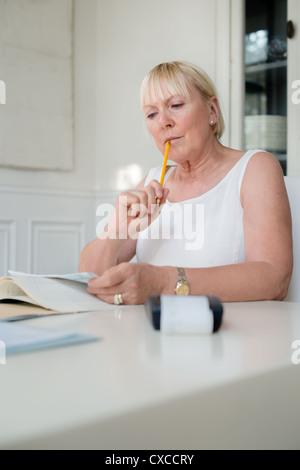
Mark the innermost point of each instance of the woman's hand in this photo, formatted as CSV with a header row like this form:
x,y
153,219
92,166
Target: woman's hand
x,y
134,281
134,211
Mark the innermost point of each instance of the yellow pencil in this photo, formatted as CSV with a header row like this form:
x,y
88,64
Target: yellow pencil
x,y
163,172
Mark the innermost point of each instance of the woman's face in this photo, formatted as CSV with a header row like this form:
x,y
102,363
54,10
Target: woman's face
x,y
185,121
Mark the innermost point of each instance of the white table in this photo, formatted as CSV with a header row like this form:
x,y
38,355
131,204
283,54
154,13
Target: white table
x,y
139,389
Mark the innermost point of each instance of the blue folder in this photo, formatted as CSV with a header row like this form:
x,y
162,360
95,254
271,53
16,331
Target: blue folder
x,y
17,339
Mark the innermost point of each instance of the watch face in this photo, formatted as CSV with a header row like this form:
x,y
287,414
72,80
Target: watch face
x,y
182,289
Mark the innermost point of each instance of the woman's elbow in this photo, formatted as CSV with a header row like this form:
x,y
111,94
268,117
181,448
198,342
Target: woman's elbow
x,y
281,285
81,264
280,294
84,260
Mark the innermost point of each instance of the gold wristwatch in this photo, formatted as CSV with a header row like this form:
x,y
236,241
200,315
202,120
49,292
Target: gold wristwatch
x,y
182,287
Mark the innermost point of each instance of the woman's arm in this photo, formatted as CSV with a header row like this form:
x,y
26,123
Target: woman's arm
x,y
99,255
133,211
268,242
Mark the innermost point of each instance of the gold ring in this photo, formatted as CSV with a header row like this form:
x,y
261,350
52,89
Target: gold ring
x,y
118,299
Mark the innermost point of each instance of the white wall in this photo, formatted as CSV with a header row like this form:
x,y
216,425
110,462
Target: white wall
x,y
46,217
116,42
133,36
84,56
293,137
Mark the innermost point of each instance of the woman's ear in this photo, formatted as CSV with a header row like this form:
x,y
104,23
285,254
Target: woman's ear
x,y
214,108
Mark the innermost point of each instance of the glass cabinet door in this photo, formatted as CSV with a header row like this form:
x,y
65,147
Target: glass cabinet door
x,y
265,125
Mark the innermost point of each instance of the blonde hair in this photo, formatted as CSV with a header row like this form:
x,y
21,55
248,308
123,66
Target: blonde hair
x,y
177,78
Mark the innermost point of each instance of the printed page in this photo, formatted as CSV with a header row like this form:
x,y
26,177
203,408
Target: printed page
x,y
62,295
10,290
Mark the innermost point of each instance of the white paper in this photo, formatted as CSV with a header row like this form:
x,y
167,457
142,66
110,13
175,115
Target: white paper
x,y
55,292
78,277
16,338
186,314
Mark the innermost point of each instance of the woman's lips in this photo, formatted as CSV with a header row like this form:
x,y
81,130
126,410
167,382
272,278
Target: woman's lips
x,y
172,139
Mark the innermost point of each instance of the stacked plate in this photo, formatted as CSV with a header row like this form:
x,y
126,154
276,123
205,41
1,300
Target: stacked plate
x,y
266,132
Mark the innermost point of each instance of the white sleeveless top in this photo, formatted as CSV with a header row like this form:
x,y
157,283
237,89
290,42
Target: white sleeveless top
x,y
201,232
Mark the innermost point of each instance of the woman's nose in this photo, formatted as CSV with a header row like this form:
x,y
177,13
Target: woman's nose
x,y
165,120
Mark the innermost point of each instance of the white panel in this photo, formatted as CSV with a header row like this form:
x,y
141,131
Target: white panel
x,y
237,85
55,246
35,139
293,158
36,128
223,63
293,189
52,227
7,246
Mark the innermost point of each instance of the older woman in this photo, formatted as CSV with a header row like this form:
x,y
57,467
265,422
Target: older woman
x,y
223,224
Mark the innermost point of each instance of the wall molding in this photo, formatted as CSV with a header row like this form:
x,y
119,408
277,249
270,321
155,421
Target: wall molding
x,y
86,194
44,230
43,242
8,247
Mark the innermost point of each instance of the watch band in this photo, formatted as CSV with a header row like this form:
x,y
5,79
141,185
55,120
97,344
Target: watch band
x,y
182,287
181,275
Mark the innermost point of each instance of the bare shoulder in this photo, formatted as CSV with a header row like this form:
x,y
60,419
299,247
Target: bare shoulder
x,y
263,176
263,160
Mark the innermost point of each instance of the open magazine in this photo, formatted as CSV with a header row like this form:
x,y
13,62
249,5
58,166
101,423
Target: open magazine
x,y
57,293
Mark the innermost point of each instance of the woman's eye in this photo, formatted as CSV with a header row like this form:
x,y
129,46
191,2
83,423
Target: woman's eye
x,y
151,115
177,105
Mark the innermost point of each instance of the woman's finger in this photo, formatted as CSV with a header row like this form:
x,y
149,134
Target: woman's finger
x,y
158,189
109,280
